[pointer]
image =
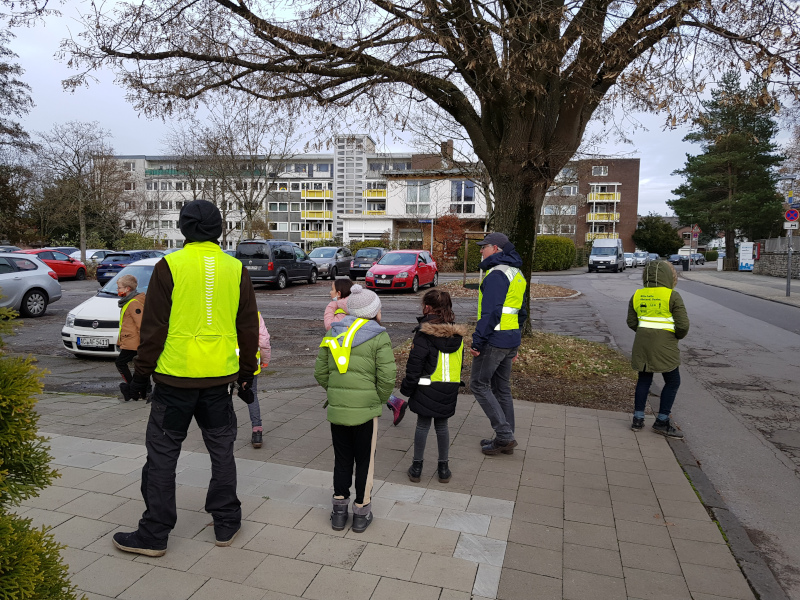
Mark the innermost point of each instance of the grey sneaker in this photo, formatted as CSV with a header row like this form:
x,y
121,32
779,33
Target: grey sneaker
x,y
665,428
339,513
362,517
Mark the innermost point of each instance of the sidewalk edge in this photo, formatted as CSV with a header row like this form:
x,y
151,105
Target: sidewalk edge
x,y
751,562
730,289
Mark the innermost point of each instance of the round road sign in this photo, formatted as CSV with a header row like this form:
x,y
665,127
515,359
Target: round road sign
x,y
792,214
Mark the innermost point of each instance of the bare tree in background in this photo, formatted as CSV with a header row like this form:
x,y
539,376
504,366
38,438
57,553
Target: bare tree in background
x,y
78,164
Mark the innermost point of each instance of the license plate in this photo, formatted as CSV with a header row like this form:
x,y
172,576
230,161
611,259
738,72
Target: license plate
x,y
93,342
253,267
383,281
365,265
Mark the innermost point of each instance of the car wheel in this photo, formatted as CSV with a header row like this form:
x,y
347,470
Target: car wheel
x,y
312,279
34,304
415,284
80,275
281,281
333,273
435,281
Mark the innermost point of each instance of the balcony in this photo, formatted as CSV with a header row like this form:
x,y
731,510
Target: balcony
x,y
316,235
604,197
602,235
374,213
310,194
601,216
374,194
316,214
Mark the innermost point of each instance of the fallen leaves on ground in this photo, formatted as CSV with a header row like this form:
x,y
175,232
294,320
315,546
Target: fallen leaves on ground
x,y
538,290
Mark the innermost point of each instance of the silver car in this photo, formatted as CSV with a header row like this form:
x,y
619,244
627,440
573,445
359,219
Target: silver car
x,y
27,284
331,261
642,258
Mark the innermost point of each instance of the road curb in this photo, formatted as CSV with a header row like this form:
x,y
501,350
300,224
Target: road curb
x,y
575,295
752,563
730,289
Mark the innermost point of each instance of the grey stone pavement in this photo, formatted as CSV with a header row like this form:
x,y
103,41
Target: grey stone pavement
x,y
760,286
584,509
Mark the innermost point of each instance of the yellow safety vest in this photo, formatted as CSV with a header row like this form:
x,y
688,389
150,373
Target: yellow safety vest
x,y
514,297
652,306
341,349
448,367
122,316
202,324
340,311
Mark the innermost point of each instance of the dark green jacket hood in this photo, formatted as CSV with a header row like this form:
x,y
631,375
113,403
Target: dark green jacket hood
x,y
659,273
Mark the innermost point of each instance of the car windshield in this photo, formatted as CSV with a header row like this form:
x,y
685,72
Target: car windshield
x,y
604,251
116,258
641,254
141,272
368,253
398,258
629,255
322,253
675,257
252,250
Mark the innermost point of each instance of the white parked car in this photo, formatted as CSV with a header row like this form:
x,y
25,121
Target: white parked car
x,y
27,285
93,256
630,260
92,327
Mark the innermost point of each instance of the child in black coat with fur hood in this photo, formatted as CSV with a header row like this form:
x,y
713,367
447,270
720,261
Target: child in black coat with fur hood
x,y
433,376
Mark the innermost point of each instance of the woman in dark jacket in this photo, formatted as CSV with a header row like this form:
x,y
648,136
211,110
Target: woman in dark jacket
x,y
433,376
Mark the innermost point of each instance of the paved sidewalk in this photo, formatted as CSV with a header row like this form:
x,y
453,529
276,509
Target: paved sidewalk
x,y
584,509
760,286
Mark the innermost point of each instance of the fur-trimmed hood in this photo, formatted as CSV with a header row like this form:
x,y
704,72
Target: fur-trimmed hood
x,y
444,330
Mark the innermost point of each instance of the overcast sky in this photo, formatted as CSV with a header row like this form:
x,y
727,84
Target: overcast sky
x,y
661,152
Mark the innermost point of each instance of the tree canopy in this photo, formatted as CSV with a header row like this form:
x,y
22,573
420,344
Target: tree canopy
x,y
654,234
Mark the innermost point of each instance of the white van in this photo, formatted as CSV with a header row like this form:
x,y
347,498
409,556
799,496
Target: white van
x,y
607,255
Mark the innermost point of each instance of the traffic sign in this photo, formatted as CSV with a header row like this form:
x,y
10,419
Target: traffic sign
x,y
792,214
696,229
694,236
790,194
791,225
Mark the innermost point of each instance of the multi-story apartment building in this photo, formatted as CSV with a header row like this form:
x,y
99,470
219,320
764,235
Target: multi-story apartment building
x,y
594,199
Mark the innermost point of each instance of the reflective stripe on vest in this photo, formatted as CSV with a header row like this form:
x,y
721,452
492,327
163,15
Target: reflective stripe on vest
x,y
201,341
514,297
652,307
448,367
341,351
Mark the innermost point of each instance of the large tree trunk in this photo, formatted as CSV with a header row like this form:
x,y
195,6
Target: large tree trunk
x,y
730,263
82,227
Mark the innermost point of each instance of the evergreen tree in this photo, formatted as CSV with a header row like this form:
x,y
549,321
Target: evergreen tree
x,y
730,187
654,234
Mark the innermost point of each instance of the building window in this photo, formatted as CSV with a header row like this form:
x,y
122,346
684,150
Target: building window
x,y
152,224
295,207
299,167
152,206
567,229
273,226
322,167
179,205
129,166
180,186
283,186
295,186
562,209
166,224
166,205
295,226
462,197
599,171
152,185
418,197
130,224
130,186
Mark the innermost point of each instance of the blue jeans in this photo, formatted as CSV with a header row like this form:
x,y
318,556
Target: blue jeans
x,y
254,408
672,381
490,382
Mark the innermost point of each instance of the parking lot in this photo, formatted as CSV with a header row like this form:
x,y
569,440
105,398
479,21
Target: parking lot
x,y
293,317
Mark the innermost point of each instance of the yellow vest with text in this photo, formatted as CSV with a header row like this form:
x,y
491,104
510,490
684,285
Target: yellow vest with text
x,y
122,316
448,367
652,307
341,345
202,339
514,297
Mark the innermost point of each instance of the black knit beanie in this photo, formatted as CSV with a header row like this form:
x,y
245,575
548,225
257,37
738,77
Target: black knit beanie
x,y
200,221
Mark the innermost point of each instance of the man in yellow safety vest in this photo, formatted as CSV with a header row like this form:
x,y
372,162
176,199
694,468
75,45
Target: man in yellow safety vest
x,y
497,337
200,306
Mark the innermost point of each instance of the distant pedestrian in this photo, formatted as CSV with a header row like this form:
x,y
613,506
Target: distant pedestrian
x,y
337,307
658,316
264,355
356,366
501,313
201,306
433,376
131,304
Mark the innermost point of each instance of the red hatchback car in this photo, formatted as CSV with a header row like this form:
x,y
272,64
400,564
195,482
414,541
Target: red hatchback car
x,y
64,266
403,269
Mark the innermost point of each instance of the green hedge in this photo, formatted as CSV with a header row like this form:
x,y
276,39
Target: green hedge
x,y
473,258
553,253
712,255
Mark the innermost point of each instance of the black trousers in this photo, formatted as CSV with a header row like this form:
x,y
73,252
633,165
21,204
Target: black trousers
x,y
171,413
354,444
122,362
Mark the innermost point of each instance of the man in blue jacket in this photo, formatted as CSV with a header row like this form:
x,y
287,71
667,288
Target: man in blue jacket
x,y
497,337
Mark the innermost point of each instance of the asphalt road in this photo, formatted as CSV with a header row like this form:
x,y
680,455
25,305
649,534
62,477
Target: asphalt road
x,y
738,404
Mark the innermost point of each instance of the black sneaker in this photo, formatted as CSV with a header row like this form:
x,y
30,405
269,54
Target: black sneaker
x,y
228,539
637,424
126,392
415,471
491,441
444,472
256,439
665,428
499,447
131,542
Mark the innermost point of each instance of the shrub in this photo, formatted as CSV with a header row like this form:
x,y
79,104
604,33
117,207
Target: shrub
x,y
30,565
473,258
712,255
553,253
135,241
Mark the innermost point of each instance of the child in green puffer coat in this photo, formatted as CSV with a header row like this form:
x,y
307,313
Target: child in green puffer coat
x,y
355,365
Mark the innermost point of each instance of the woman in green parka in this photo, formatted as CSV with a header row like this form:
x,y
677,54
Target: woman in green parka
x,y
355,365
658,316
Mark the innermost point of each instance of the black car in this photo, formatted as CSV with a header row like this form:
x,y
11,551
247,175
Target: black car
x,y
332,261
698,258
277,262
116,261
9,248
363,260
